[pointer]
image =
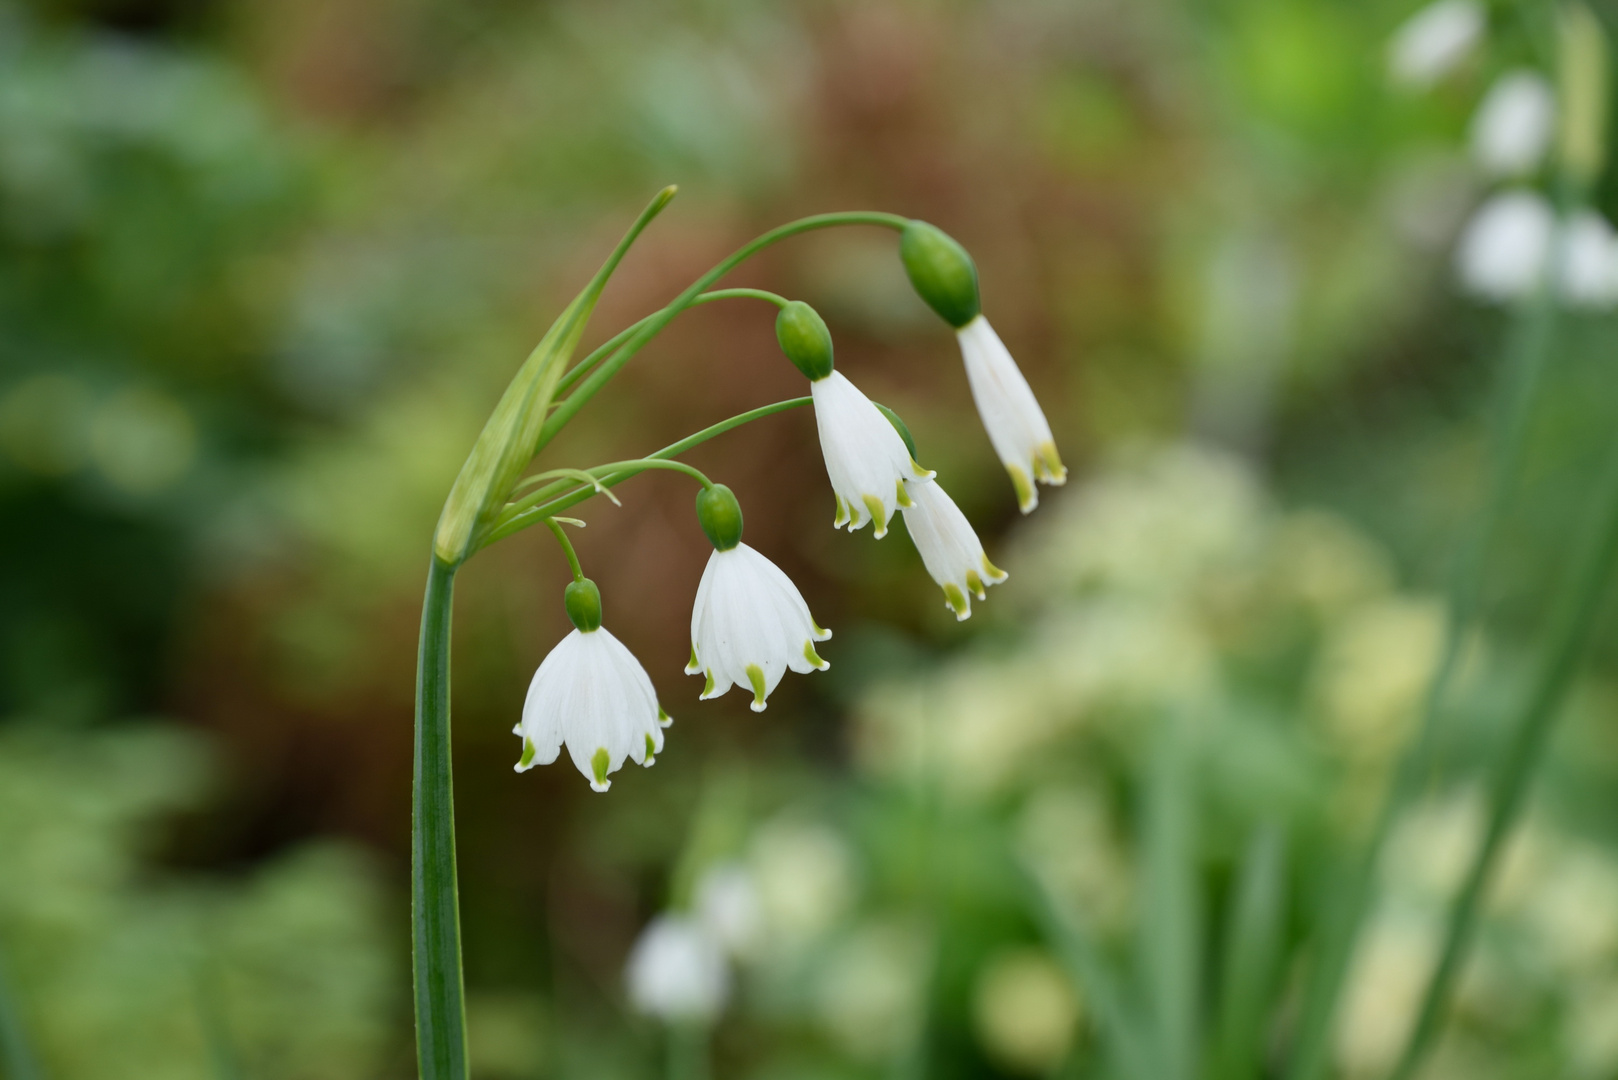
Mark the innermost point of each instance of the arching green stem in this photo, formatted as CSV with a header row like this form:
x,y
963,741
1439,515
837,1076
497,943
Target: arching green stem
x,y
531,509
567,548
637,336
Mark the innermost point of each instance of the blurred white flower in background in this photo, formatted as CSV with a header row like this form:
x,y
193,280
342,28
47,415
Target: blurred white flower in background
x,y
1434,41
677,972
1591,1030
1433,844
728,907
1513,127
869,993
805,876
1589,262
1384,990
1025,1011
1372,673
1067,837
1573,910
1503,249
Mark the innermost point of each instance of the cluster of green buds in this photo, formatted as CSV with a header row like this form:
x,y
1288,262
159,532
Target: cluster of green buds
x,y
749,623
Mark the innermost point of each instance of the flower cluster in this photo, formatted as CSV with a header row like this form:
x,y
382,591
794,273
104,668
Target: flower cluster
x,y
1517,241
750,625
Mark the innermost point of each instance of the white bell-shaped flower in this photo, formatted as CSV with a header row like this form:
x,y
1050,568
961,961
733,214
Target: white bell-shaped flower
x,y
1434,41
750,625
677,971
1588,275
865,457
1010,413
1512,128
1504,248
950,548
591,694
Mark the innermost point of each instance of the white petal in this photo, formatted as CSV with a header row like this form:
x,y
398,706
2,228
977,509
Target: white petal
x,y
676,971
591,695
1010,413
865,457
949,547
1513,126
1589,261
750,625
1434,41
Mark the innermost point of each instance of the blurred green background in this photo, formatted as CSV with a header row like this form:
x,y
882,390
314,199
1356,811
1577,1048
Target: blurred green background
x,y
266,264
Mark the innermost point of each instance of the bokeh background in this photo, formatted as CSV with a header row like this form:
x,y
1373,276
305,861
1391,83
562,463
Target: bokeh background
x,y
266,264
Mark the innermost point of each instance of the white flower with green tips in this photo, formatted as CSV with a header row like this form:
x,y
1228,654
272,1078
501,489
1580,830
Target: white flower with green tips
x,y
593,696
944,275
949,547
865,457
749,625
1011,414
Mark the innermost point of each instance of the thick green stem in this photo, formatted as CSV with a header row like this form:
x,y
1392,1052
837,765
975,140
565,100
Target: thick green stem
x,y
1577,608
1527,351
521,515
434,899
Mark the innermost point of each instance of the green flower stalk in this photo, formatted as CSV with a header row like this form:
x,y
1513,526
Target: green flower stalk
x,y
750,624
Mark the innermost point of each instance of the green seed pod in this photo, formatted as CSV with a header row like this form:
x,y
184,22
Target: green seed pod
x,y
720,516
805,339
583,602
941,272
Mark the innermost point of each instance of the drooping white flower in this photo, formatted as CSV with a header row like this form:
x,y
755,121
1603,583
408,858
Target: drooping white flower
x,y
1434,41
865,457
1588,264
750,625
593,695
677,972
1010,413
949,547
1512,128
1504,248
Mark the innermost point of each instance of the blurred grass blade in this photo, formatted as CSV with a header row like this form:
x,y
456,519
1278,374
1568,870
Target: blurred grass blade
x,y
1577,608
15,1052
1121,1034
1170,928
1253,939
223,1054
510,435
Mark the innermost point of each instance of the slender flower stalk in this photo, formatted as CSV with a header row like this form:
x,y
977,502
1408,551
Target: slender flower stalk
x,y
589,694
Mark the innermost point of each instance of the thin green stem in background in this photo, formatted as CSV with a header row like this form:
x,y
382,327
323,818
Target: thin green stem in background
x,y
434,897
1575,618
688,1052
1170,928
1254,937
16,1054
1526,354
567,548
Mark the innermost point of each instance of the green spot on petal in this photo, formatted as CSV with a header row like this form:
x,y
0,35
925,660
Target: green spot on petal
x,y
651,749
663,718
904,496
813,657
755,675
707,685
1048,464
842,514
528,752
693,667
992,572
599,762
956,599
1026,498
821,633
975,583
879,514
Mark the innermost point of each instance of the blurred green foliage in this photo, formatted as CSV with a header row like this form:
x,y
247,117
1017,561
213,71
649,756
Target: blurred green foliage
x,y
264,267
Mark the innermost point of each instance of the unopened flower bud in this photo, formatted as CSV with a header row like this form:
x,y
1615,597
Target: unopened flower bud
x,y
583,602
941,272
805,339
720,516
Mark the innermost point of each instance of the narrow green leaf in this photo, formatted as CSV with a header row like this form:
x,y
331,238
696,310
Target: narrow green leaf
x,y
1253,941
1170,928
511,434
